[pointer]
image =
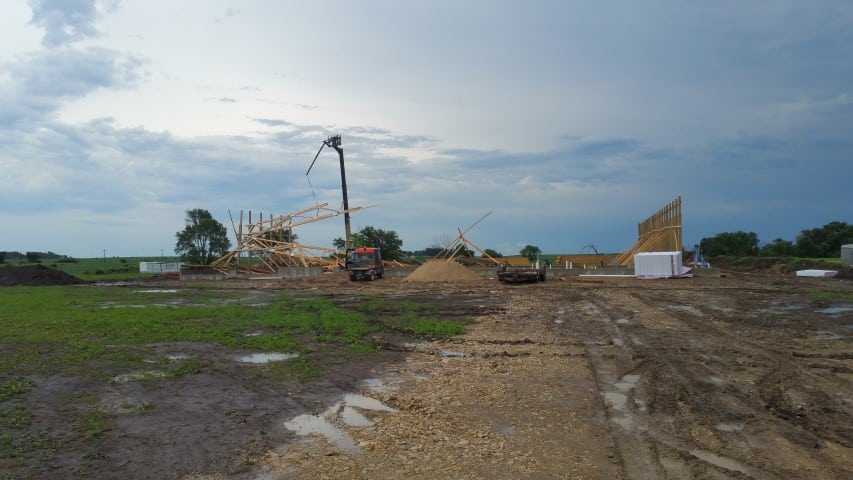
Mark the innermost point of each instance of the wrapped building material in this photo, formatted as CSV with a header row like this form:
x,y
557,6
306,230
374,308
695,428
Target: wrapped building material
x,y
659,265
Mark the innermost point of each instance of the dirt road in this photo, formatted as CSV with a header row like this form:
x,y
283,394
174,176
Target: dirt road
x,y
737,377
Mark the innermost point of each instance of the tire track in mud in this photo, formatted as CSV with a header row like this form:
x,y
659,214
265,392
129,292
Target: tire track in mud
x,y
626,373
722,390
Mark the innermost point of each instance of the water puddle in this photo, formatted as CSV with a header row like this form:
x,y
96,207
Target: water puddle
x,y
558,321
305,425
687,308
722,462
161,290
836,310
452,354
623,321
728,427
618,401
348,411
177,356
618,342
506,429
824,335
266,357
726,310
138,376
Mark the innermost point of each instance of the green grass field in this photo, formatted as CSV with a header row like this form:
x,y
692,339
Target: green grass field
x,y
68,329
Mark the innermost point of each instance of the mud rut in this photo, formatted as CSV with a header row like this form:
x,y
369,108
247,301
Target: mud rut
x,y
711,378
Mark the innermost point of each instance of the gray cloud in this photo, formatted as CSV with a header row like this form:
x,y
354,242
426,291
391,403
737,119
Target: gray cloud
x,y
40,82
64,21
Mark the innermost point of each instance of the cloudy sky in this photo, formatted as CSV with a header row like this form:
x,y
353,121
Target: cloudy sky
x,y
570,120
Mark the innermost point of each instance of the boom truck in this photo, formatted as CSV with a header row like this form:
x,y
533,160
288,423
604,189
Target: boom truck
x,y
363,262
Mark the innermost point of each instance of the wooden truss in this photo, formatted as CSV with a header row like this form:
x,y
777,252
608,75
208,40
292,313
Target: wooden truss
x,y
659,233
265,245
456,246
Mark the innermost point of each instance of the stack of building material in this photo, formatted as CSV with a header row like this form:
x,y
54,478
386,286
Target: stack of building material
x,y
659,265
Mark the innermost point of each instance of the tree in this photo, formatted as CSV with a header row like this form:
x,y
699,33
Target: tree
x,y
531,252
492,253
33,257
2,257
369,236
203,239
741,244
778,248
824,242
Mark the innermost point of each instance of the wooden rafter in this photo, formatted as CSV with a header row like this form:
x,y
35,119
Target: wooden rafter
x,y
270,243
661,232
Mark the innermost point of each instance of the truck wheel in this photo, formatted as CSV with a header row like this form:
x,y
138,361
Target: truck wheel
x,y
372,276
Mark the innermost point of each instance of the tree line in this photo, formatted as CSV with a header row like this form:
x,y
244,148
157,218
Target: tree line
x,y
823,242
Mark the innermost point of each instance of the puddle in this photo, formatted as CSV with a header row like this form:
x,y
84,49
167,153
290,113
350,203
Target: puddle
x,y
836,310
453,354
618,342
637,341
723,309
623,321
417,345
558,321
167,290
628,382
138,376
177,356
254,334
346,411
717,381
266,357
618,401
687,308
828,336
777,304
307,424
506,429
728,427
722,462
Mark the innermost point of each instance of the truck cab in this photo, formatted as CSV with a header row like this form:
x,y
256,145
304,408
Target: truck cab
x,y
364,263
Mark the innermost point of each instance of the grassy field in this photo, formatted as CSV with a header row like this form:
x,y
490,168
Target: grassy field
x,y
50,329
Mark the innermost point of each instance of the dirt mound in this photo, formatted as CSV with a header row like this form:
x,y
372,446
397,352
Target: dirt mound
x,y
441,271
36,275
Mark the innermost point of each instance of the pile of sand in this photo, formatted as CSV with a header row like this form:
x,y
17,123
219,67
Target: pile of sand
x,y
441,271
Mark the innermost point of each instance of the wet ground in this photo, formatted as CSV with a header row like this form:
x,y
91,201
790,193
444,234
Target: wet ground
x,y
724,378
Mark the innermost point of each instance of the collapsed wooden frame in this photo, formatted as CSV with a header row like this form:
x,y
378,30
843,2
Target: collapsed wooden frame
x,y
265,245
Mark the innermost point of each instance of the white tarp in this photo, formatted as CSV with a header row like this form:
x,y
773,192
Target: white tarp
x,y
659,265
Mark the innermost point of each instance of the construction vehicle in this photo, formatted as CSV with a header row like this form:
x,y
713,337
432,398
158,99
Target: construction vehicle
x,y
364,263
361,263
507,274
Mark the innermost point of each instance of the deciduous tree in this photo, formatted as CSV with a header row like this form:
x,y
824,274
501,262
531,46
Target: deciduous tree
x,y
203,239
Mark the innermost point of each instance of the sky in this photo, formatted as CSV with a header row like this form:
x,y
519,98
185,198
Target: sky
x,y
571,121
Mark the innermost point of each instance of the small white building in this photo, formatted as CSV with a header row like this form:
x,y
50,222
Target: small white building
x,y
159,267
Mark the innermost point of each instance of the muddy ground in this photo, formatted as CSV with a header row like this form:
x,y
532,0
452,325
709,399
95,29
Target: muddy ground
x,y
744,376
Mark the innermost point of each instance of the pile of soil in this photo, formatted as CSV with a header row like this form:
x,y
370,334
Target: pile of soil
x,y
36,275
441,271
